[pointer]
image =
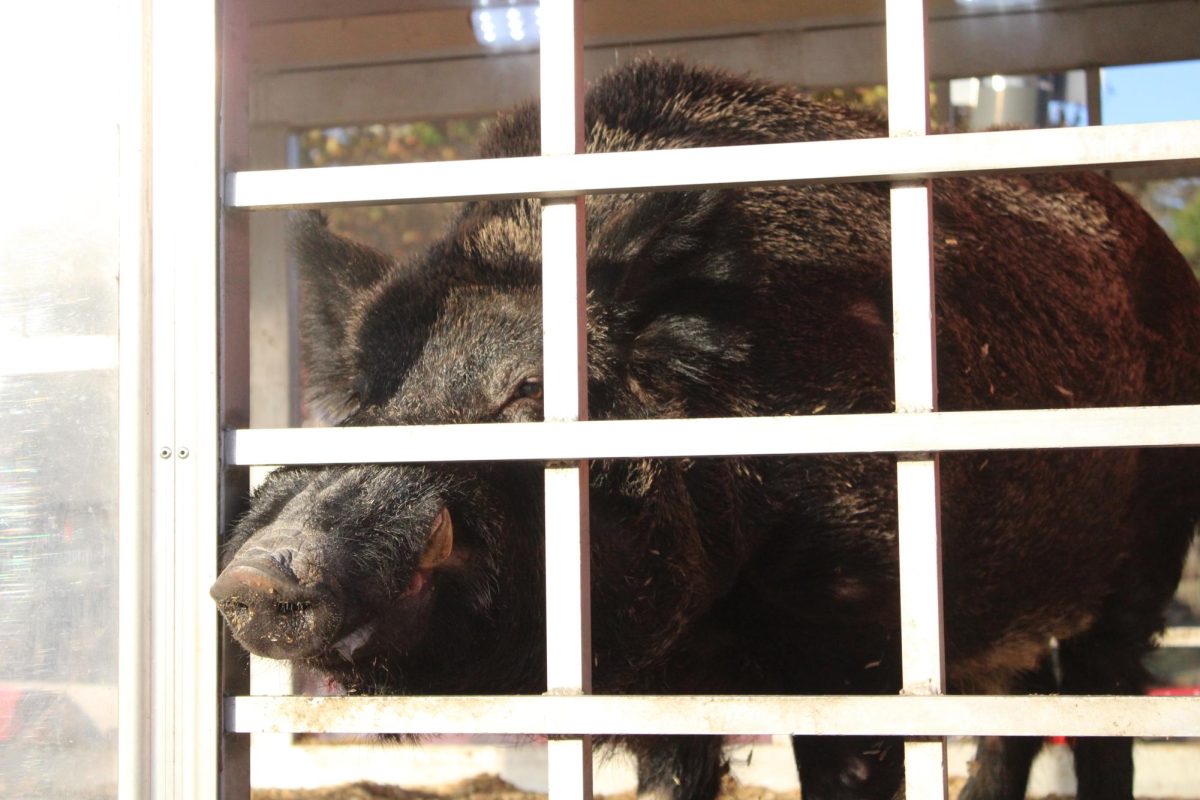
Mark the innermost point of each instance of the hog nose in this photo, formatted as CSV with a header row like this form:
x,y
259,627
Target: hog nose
x,y
270,611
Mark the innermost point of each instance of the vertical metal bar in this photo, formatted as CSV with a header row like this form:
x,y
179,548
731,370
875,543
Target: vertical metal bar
x,y
231,325
1094,81
274,297
185,212
945,112
165,166
564,353
135,742
274,377
916,392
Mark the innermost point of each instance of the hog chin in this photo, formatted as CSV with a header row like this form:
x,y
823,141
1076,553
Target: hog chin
x,y
348,644
410,603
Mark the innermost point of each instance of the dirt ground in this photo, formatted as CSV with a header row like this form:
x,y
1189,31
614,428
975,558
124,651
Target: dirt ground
x,y
489,787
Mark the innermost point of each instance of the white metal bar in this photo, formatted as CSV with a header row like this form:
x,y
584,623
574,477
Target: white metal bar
x,y
568,581
274,299
907,68
915,369
925,773
923,662
564,365
564,315
1181,636
914,349
569,768
906,158
135,495
944,431
887,715
228,403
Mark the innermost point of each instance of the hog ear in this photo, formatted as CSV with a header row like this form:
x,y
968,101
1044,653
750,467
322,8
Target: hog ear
x,y
668,272
338,276
642,246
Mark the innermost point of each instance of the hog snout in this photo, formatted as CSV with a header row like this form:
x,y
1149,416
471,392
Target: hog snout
x,y
271,610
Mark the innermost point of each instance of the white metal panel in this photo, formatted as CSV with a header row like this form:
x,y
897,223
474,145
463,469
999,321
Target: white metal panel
x,y
903,158
943,431
890,715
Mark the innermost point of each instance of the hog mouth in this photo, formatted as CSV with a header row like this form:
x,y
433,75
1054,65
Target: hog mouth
x,y
402,616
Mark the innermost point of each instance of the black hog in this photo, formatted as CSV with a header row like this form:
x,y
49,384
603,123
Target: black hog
x,y
740,575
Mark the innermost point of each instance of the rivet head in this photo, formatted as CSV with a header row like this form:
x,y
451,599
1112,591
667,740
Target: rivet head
x,y
164,452
184,452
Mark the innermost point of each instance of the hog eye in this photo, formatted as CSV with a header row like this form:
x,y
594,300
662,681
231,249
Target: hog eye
x,y
524,399
357,393
530,388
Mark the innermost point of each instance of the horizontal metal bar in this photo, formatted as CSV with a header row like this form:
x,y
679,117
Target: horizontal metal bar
x,y
1180,636
901,158
557,715
851,433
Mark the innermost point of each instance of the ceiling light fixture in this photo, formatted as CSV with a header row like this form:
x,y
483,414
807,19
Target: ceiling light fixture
x,y
514,26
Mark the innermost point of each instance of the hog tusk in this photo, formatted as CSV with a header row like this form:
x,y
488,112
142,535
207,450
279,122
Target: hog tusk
x,y
441,541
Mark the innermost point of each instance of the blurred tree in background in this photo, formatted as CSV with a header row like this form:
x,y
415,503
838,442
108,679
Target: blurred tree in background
x,y
406,229
1175,204
398,229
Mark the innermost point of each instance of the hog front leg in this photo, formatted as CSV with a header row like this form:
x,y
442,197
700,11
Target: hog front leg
x,y
679,767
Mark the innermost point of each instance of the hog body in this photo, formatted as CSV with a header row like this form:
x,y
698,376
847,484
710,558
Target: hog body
x,y
740,575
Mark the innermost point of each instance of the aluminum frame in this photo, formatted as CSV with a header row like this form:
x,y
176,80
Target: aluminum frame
x,y
183,381
561,176
183,208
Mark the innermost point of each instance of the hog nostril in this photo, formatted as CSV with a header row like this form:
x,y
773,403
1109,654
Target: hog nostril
x,y
271,612
296,607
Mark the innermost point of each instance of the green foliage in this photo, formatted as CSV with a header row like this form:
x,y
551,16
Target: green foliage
x,y
866,96
1187,231
1175,204
400,229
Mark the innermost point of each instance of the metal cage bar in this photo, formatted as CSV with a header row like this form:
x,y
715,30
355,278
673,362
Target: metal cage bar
x,y
944,431
918,500
897,158
892,715
564,358
738,715
560,177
